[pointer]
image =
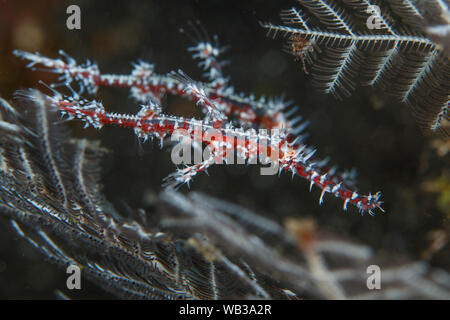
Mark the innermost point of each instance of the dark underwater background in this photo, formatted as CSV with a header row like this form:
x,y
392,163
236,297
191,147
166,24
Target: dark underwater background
x,y
368,131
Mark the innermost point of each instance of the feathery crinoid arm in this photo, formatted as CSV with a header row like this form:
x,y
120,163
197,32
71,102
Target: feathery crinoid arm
x,y
51,194
371,42
193,246
227,115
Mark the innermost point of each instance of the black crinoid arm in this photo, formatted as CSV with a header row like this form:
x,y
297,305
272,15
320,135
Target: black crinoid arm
x,y
398,45
189,246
